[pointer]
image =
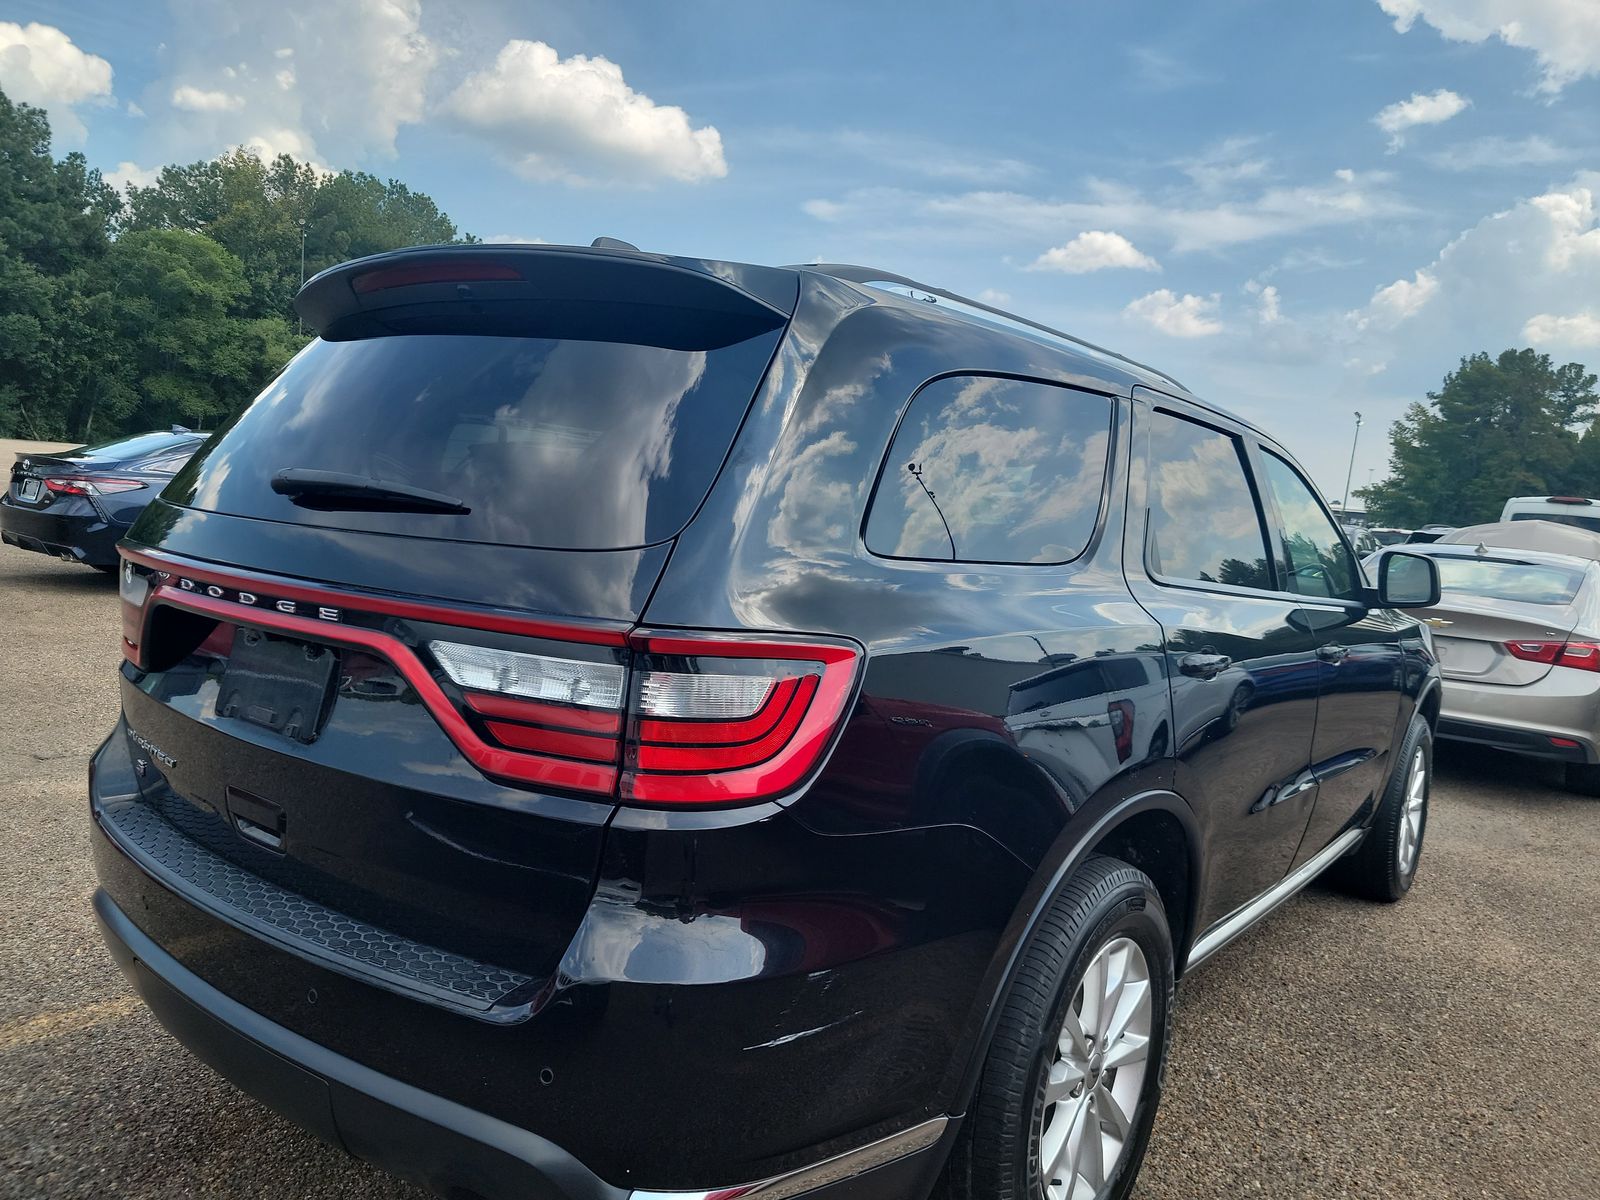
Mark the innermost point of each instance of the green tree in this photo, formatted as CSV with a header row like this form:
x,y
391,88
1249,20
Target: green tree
x,y
1498,427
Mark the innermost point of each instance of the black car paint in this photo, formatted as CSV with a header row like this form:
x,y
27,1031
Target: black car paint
x,y
86,529
734,993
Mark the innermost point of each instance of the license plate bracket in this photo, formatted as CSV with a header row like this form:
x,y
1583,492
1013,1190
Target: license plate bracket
x,y
278,683
29,490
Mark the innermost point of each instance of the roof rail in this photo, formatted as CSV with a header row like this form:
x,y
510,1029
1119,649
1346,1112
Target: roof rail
x,y
962,305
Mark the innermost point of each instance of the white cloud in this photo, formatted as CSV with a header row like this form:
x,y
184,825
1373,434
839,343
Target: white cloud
x,y
1581,329
1498,153
1095,250
1189,222
128,173
1434,108
994,298
1268,309
1227,163
515,239
1563,34
193,99
1398,301
1177,316
322,82
40,65
578,121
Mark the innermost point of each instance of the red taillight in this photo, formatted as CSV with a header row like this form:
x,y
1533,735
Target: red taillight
x,y
717,722
1583,656
1568,500
458,271
68,485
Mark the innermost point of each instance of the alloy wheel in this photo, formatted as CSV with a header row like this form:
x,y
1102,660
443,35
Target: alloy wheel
x,y
1094,1084
1416,808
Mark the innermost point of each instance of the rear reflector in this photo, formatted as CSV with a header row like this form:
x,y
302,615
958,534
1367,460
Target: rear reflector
x,y
534,676
1583,656
1562,743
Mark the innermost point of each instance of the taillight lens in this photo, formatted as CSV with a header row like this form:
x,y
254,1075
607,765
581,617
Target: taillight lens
x,y
1582,656
714,722
531,676
72,486
133,586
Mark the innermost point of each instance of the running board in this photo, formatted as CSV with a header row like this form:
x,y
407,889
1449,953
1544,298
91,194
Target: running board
x,y
1241,919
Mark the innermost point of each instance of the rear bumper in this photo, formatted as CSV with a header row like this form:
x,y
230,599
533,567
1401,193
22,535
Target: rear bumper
x,y
81,538
446,1147
1564,704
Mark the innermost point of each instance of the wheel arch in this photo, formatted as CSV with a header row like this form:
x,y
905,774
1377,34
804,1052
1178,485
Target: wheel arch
x,y
1121,829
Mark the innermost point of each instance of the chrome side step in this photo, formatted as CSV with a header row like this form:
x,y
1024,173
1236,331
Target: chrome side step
x,y
1242,918
833,1170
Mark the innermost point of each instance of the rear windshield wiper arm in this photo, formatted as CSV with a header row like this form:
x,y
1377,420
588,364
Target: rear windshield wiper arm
x,y
335,489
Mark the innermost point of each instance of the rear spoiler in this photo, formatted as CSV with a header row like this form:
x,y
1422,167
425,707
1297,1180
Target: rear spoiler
x,y
500,288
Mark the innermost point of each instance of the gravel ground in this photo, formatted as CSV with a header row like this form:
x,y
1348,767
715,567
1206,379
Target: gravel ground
x,y
1442,1048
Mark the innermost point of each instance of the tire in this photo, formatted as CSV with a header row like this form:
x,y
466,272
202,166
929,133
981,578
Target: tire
x,y
1103,924
1583,779
1385,865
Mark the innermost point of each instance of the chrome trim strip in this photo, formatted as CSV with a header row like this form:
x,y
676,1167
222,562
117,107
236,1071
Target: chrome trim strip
x,y
1242,918
843,1166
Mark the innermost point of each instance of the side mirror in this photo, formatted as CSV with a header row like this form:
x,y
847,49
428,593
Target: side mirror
x,y
1407,581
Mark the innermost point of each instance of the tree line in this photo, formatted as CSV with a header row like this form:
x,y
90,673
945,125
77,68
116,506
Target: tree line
x,y
1512,425
170,304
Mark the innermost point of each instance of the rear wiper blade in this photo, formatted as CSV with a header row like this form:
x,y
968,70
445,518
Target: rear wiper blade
x,y
337,490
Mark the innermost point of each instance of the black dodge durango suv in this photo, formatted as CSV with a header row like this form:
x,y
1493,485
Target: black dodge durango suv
x,y
606,725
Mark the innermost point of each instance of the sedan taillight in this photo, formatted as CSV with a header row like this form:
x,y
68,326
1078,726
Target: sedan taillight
x,y
70,485
1584,656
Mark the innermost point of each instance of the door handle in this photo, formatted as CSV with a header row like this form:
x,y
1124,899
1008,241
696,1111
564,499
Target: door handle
x,y
1332,652
1204,666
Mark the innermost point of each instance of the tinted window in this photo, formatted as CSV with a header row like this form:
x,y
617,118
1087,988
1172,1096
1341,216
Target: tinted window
x,y
1497,580
555,442
1590,523
1316,560
992,470
1203,519
141,445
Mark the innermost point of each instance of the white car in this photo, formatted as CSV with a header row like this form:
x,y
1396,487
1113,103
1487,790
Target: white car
x,y
1563,510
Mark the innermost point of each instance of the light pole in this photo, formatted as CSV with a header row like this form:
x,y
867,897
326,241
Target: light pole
x,y
298,323
1344,505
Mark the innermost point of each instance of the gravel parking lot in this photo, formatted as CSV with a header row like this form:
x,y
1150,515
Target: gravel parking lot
x,y
1443,1048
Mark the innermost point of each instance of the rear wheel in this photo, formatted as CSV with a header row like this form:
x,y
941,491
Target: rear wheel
x,y
1581,778
1071,1082
1385,865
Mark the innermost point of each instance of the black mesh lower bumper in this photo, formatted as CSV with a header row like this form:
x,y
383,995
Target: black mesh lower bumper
x,y
299,924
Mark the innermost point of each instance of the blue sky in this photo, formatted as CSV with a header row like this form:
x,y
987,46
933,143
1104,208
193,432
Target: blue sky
x,y
1301,208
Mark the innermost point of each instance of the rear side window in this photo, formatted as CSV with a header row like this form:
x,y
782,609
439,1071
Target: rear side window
x,y
992,470
1204,523
1316,561
559,442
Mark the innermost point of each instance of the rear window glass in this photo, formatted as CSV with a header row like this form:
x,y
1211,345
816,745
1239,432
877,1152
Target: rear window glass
x,y
1590,523
992,470
123,449
1496,580
553,442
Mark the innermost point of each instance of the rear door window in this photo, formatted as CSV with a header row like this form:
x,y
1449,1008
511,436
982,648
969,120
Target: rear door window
x,y
1205,525
991,470
558,442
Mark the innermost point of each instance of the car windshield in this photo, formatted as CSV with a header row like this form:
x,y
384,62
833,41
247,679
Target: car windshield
x,y
1496,579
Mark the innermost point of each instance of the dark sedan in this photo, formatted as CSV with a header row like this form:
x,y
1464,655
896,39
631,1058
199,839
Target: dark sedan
x,y
77,504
